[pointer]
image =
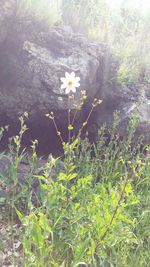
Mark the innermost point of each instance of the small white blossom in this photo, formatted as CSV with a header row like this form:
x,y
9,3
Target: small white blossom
x,y
70,82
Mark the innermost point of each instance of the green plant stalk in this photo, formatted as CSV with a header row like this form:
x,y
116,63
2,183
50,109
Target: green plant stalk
x,y
69,147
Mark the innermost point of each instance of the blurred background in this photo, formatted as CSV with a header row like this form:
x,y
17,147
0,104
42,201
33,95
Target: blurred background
x,y
124,25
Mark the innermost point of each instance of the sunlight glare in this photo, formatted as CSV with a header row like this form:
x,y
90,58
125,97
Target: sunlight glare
x,y
142,5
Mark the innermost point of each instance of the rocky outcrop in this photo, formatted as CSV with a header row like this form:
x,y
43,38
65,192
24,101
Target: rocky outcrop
x,y
129,101
32,60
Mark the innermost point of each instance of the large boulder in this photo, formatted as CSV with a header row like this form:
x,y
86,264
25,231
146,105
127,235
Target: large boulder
x,y
32,60
129,101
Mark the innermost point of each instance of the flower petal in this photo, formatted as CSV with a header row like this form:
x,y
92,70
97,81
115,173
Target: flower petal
x,y
63,86
67,75
77,79
63,79
72,75
76,84
67,90
73,89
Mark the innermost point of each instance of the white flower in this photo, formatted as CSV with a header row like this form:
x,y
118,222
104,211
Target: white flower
x,y
70,82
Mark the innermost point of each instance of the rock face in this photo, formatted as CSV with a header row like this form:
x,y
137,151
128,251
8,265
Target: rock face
x,y
129,101
32,60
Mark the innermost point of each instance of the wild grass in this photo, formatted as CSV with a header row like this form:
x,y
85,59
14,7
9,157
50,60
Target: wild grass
x,y
90,209
46,12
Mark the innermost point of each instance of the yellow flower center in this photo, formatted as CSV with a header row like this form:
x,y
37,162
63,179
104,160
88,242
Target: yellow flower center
x,y
69,83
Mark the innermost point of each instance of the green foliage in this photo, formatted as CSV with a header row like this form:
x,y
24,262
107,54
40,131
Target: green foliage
x,y
110,162
46,12
75,223
16,189
94,212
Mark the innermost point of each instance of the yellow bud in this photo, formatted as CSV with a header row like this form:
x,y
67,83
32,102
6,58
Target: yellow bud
x,y
70,127
83,92
71,96
26,114
99,101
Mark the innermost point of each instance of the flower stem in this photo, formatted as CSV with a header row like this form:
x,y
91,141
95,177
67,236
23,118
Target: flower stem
x,y
85,123
69,107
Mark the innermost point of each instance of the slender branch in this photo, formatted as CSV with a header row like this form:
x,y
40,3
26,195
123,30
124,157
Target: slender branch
x,y
85,123
58,132
74,116
69,109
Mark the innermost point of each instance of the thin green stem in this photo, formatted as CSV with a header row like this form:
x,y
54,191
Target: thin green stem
x,y
85,123
69,110
58,132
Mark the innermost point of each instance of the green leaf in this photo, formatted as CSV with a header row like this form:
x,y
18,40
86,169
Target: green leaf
x,y
20,216
72,176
